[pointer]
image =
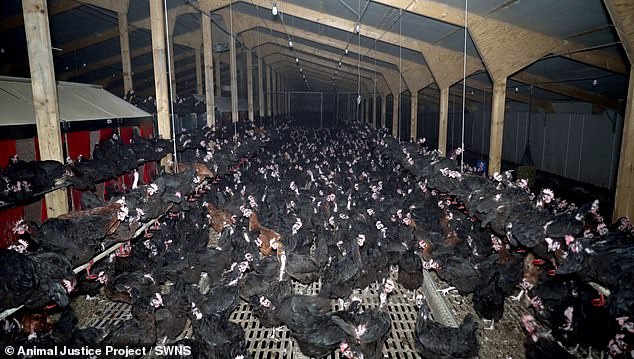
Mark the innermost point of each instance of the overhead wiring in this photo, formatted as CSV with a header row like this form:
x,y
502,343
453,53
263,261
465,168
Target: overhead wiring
x,y
464,81
400,75
170,85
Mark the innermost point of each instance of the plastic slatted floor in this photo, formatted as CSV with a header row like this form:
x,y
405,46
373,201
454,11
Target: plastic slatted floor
x,y
277,343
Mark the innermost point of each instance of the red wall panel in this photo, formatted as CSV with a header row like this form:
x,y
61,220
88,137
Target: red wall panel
x,y
8,216
78,143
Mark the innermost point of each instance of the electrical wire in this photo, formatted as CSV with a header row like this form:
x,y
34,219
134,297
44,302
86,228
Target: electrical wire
x,y
170,85
233,46
400,75
359,66
464,80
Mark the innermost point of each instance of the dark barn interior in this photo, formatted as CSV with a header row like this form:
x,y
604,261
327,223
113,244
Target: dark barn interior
x,y
317,179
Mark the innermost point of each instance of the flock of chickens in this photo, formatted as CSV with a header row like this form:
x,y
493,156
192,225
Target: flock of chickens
x,y
341,206
181,105
111,158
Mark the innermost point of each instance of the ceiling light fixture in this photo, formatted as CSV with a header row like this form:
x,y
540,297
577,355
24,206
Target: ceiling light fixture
x,y
274,9
595,82
296,60
290,43
346,51
357,28
339,63
517,89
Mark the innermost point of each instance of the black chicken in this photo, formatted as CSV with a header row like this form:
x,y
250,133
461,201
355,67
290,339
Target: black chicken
x,y
310,321
366,331
434,340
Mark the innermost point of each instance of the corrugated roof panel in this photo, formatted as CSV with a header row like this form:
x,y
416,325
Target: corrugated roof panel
x,y
77,102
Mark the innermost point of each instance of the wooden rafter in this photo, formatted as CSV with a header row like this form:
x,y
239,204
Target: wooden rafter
x,y
452,15
326,59
54,8
622,13
288,57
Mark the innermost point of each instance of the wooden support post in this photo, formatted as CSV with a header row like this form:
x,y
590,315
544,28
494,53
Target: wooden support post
x,y
261,80
172,67
208,58
126,63
395,114
281,97
157,22
218,75
384,112
233,68
497,125
44,94
624,197
622,13
274,94
442,122
413,121
374,110
249,56
268,91
199,74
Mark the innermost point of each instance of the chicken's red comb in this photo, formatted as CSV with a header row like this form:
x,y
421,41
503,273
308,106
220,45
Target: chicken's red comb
x,y
598,302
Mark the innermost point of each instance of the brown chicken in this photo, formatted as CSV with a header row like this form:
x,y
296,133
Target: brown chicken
x,y
202,171
451,238
35,322
269,239
219,218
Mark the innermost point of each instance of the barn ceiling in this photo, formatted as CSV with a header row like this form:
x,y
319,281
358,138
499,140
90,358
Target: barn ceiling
x,y
565,50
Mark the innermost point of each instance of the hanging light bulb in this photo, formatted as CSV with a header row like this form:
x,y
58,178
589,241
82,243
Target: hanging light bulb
x,y
84,65
357,28
274,9
290,43
359,99
517,89
335,73
346,51
296,60
595,82
339,63
301,69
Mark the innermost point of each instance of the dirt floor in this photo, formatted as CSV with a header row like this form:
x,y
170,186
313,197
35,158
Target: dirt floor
x,y
506,340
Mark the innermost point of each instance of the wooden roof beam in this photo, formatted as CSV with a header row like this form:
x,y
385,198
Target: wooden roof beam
x,y
142,70
276,57
118,6
452,15
116,59
482,86
55,7
444,63
564,89
309,53
114,32
286,67
622,13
